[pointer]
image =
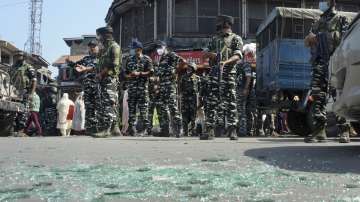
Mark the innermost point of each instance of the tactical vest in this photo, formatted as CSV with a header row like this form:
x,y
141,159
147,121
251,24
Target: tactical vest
x,y
333,24
106,59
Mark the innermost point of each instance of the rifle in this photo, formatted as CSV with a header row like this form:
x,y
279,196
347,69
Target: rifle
x,y
322,52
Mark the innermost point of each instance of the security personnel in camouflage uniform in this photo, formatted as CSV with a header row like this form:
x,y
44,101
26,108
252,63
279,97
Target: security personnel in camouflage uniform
x,y
87,67
168,90
189,82
243,87
50,101
138,70
224,51
108,71
23,78
330,26
154,97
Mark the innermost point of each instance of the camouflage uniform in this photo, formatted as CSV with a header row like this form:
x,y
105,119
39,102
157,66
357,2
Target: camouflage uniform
x,y
90,88
21,77
110,58
168,94
243,71
188,89
332,26
138,90
154,98
223,83
50,109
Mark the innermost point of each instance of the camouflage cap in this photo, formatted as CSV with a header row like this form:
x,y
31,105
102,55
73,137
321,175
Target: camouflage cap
x,y
93,43
160,43
135,43
224,18
104,30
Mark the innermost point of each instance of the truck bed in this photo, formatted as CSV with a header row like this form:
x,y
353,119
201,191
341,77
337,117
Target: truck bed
x,y
283,65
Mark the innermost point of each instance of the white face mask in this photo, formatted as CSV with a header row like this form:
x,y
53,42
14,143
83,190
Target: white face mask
x,y
323,6
160,51
132,52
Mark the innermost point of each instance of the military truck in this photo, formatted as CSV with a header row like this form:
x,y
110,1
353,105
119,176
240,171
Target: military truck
x,y
283,65
10,102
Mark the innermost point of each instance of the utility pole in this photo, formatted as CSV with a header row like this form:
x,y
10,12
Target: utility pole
x,y
33,44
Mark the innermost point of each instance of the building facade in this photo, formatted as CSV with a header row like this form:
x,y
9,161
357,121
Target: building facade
x,y
7,52
188,24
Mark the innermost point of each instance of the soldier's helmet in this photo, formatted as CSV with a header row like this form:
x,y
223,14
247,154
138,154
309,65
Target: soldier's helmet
x,y
221,19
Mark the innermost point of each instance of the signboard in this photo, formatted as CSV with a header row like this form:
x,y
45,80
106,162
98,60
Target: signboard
x,y
190,56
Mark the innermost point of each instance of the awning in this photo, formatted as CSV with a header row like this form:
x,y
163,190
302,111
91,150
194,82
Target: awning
x,y
296,13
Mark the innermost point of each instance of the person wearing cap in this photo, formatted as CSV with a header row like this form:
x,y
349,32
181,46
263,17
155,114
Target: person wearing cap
x,y
87,68
188,89
23,78
329,28
168,95
138,69
224,51
108,69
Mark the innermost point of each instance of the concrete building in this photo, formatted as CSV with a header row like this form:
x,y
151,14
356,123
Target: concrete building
x,y
188,24
7,52
67,78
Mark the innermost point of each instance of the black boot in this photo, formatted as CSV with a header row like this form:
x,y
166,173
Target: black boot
x,y
317,136
115,131
232,133
130,131
208,135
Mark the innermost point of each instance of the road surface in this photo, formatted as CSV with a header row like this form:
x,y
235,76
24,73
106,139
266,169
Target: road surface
x,y
169,169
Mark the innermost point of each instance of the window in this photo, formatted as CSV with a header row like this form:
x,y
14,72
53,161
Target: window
x,y
208,7
185,16
293,3
5,58
230,7
149,21
127,32
256,14
161,18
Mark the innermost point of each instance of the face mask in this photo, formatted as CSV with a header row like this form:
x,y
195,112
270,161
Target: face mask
x,y
160,51
323,6
132,52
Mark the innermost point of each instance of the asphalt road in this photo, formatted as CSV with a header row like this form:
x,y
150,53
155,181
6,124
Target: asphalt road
x,y
169,169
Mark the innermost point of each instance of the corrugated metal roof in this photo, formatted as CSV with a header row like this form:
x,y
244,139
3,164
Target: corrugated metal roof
x,y
64,58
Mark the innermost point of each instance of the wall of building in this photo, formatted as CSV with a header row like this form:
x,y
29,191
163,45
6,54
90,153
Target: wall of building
x,y
177,19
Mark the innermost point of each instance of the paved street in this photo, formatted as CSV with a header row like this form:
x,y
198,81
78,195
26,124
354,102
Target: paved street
x,y
161,169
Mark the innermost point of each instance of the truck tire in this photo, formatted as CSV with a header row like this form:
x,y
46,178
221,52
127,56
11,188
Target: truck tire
x,y
356,127
298,123
6,124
